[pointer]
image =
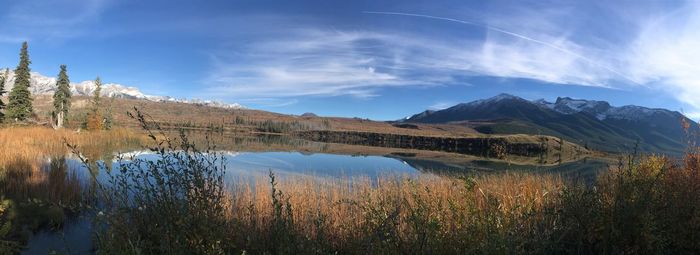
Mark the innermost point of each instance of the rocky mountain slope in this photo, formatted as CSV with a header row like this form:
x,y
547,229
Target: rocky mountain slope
x,y
592,123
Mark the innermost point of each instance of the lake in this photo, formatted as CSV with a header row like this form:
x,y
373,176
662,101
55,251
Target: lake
x,y
256,156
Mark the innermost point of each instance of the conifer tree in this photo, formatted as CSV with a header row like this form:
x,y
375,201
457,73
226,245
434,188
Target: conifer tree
x,y
3,77
108,119
19,106
94,120
61,99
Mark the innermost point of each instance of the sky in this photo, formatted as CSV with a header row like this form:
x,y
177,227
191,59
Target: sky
x,y
382,60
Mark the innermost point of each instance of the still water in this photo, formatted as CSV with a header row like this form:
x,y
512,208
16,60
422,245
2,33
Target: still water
x,y
301,158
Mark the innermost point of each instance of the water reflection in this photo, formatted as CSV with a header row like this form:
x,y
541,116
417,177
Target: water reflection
x,y
255,156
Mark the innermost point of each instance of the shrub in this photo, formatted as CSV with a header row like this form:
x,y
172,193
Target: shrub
x,y
172,204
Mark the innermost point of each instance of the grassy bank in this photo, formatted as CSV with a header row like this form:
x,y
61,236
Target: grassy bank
x,y
651,207
37,187
181,205
30,152
178,203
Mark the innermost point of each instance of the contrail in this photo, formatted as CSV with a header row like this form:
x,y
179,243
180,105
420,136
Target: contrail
x,y
524,37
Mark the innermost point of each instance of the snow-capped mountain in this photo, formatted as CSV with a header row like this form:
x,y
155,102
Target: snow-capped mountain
x,y
44,85
588,122
488,101
601,109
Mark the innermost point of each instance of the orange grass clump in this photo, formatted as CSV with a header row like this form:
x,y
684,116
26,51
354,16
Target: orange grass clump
x,y
30,155
35,143
433,207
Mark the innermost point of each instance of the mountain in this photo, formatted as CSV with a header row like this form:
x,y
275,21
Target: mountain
x,y
595,124
44,85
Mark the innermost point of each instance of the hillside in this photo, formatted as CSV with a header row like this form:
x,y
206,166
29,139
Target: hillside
x,y
244,120
595,124
441,137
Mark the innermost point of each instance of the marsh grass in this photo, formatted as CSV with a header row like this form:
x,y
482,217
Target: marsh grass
x,y
427,214
648,205
179,204
37,185
173,204
33,160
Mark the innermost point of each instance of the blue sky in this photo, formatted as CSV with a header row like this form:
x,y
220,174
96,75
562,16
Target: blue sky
x,y
372,59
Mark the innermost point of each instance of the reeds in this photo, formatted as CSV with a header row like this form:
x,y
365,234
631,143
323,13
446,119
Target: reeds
x,y
32,143
37,185
427,214
646,205
32,160
178,203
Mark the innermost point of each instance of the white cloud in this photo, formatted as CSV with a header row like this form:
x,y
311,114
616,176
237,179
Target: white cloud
x,y
648,48
666,54
358,63
441,105
314,62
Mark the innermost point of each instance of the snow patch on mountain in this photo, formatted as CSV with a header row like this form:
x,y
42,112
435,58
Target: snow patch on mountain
x,y
495,99
44,85
600,109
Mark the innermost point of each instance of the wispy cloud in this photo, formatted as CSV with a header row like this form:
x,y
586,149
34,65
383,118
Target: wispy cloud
x,y
666,54
562,48
316,63
441,105
648,47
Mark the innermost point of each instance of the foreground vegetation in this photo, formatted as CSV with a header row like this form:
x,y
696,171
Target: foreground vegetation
x,y
649,208
37,187
179,204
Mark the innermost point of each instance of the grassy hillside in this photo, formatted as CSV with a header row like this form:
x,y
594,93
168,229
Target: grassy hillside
x,y
191,116
197,116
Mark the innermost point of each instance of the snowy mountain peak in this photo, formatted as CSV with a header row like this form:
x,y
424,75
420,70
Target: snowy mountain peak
x,y
495,99
503,96
600,109
44,85
568,105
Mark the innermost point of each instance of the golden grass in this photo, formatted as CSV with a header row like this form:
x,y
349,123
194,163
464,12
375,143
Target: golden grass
x,y
347,207
32,162
37,143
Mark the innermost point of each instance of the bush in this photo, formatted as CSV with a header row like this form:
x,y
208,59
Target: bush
x,y
177,203
172,204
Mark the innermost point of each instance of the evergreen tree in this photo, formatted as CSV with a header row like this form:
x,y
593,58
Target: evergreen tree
x,y
96,95
61,99
20,100
108,120
3,77
94,120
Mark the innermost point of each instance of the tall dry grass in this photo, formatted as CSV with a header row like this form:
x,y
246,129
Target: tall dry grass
x,y
177,204
426,214
647,206
32,159
31,143
37,184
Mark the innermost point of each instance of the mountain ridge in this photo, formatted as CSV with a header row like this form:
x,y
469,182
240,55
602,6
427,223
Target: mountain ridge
x,y
590,122
45,85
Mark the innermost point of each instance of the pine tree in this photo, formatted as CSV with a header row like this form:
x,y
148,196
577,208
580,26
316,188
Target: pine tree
x,y
94,120
108,119
61,99
3,77
96,95
20,100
